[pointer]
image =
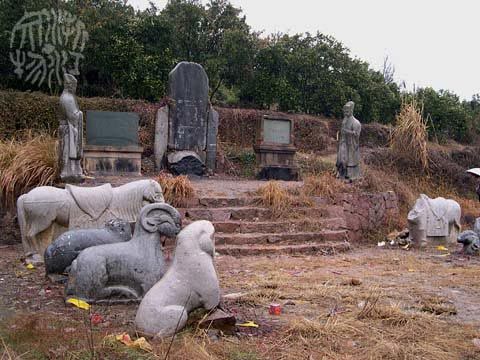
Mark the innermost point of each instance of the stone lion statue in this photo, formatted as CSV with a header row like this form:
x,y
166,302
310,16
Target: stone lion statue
x,y
46,212
191,282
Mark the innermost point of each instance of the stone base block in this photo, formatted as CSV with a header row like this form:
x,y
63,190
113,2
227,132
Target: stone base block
x,y
112,160
278,173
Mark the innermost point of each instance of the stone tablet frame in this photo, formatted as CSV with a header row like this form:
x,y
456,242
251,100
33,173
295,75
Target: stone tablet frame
x,y
275,159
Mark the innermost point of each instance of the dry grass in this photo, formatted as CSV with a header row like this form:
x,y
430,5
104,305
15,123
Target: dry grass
x,y
409,137
176,190
27,163
326,185
276,198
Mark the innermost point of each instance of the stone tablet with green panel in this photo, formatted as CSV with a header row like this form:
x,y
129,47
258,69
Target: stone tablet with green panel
x,y
108,128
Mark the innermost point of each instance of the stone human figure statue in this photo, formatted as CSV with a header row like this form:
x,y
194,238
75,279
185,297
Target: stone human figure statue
x,y
70,133
348,155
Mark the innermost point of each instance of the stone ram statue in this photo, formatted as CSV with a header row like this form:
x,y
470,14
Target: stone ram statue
x,y
471,242
46,212
434,220
125,271
191,282
60,254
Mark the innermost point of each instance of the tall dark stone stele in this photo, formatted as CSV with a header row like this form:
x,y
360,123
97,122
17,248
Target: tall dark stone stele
x,y
70,133
188,126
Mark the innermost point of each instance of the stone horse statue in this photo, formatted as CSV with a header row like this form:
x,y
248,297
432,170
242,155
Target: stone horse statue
x,y
46,212
434,220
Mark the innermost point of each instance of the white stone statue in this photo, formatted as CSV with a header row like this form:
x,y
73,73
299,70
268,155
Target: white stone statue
x,y
191,282
46,212
348,155
70,133
434,221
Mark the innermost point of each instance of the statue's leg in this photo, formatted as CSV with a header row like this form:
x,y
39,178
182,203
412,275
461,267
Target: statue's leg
x,y
170,319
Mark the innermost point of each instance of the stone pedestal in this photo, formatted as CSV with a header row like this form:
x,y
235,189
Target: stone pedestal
x,y
275,151
113,160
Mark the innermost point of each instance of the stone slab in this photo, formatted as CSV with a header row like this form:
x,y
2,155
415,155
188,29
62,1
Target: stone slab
x,y
109,128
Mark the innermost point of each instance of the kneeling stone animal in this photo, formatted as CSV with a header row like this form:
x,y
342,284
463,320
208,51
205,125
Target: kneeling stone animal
x,y
125,271
191,282
470,241
60,254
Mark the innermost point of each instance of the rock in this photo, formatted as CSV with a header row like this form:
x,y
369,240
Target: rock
x,y
57,278
46,212
348,154
125,271
471,242
355,282
235,296
289,303
34,259
190,283
220,320
60,254
161,137
185,163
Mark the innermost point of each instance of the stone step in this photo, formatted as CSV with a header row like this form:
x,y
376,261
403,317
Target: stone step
x,y
283,238
240,226
242,201
250,213
294,249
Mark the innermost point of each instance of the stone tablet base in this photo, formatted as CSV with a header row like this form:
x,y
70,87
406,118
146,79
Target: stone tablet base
x,y
112,160
276,162
278,173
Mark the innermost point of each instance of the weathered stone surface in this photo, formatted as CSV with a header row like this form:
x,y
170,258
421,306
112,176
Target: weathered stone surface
x,y
191,282
212,132
46,212
348,155
185,163
471,242
127,270
188,91
60,254
434,220
112,161
161,137
277,173
112,128
70,133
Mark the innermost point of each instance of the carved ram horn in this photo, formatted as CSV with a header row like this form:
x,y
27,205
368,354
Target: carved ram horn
x,y
161,218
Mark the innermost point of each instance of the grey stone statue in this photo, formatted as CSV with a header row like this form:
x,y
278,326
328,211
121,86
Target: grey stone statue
x,y
190,283
60,254
471,242
348,155
70,132
125,271
434,221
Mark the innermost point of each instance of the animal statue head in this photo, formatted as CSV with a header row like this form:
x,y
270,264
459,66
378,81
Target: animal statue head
x,y
70,83
153,193
416,215
159,218
348,109
120,227
470,241
199,236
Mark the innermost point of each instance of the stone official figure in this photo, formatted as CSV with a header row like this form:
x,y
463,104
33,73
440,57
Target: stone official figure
x,y
70,133
348,156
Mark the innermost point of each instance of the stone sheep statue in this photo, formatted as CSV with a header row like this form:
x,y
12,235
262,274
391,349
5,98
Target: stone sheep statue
x,y
46,212
60,254
471,242
434,220
191,282
125,271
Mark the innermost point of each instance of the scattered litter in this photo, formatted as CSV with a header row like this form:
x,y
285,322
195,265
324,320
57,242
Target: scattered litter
x,y
235,296
249,324
381,244
140,343
442,248
219,320
96,319
30,267
79,303
275,309
411,270
69,330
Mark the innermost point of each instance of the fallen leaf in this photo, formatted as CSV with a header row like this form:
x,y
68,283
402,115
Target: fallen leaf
x,y
79,303
249,324
442,248
140,343
381,244
411,270
30,267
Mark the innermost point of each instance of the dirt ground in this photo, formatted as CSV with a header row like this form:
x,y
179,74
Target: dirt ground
x,y
370,303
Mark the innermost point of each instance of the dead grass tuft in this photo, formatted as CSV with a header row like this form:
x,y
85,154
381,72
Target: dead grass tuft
x,y
27,163
409,137
176,190
325,184
274,197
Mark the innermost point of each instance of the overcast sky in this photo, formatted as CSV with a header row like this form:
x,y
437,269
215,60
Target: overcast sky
x,y
430,42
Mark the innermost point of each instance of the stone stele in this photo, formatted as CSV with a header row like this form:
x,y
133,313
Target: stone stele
x,y
434,221
46,212
348,155
70,133
125,271
190,283
60,254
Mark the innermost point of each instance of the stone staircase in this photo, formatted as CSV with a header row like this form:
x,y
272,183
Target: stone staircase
x,y
245,228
